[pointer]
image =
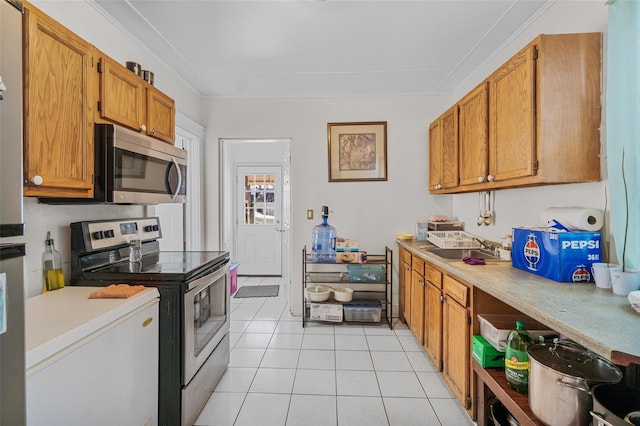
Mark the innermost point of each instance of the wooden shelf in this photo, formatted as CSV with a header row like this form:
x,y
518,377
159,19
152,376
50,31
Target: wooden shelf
x,y
494,381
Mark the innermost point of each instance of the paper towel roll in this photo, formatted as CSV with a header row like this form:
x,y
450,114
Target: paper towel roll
x,y
574,218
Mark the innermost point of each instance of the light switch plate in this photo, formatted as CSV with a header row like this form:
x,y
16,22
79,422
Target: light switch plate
x,y
3,302
309,214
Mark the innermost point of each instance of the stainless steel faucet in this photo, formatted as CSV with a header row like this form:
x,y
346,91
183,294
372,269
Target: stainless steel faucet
x,y
492,246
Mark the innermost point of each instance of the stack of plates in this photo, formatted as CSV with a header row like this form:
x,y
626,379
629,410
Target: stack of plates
x,y
634,299
404,236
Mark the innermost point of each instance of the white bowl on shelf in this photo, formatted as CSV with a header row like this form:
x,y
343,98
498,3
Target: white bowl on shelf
x,y
318,293
343,294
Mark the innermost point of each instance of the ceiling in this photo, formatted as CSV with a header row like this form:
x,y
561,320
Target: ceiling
x,y
294,48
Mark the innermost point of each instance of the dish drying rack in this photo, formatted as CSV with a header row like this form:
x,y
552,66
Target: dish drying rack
x,y
453,239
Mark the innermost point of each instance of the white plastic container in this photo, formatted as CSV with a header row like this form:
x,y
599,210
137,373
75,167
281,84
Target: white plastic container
x,y
496,327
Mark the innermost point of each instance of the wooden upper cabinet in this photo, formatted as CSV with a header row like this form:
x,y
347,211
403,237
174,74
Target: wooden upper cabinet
x,y
513,115
122,95
128,100
161,115
443,151
59,88
473,136
543,118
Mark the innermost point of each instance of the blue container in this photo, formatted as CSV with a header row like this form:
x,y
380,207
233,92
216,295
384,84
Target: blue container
x,y
560,256
366,273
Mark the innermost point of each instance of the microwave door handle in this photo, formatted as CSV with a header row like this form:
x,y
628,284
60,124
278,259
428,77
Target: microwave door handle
x,y
179,184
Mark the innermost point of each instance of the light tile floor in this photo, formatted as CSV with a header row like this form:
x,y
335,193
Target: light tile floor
x,y
348,375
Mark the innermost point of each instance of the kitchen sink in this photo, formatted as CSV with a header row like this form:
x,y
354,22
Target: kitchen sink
x,y
459,254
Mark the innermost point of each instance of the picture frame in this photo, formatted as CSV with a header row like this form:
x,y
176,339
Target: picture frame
x,y
357,151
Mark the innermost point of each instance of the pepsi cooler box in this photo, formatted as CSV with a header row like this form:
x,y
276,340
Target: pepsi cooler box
x,y
560,256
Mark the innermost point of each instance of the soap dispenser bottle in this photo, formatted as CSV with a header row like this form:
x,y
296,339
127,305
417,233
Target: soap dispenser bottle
x,y
51,266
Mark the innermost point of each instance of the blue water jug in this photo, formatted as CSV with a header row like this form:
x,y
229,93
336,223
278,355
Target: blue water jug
x,y
323,240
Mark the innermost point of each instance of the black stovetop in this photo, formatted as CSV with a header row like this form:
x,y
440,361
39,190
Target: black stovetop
x,y
163,266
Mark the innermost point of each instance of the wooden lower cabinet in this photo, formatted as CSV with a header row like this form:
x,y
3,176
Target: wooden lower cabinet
x,y
417,299
405,286
438,311
433,324
456,339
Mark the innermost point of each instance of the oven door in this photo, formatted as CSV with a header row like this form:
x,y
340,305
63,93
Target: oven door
x,y
206,310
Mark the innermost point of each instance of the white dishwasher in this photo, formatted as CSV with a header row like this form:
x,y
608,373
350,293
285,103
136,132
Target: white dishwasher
x,y
92,361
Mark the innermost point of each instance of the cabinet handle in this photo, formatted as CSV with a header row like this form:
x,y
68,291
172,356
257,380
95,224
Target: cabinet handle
x,y
37,180
147,321
480,179
152,132
143,127
438,186
490,178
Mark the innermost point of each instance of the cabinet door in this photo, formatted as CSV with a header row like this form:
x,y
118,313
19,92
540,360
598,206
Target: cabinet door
x,y
433,324
122,95
406,280
58,114
473,134
455,349
512,118
161,113
435,156
417,306
449,159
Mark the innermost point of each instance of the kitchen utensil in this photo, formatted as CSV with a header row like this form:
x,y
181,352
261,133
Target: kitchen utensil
x,y
343,294
147,76
601,274
613,403
318,293
624,282
134,67
560,378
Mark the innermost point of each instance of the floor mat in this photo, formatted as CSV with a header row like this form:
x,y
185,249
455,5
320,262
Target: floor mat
x,y
257,291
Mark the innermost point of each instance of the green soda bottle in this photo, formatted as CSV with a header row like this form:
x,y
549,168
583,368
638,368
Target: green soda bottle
x,y
516,360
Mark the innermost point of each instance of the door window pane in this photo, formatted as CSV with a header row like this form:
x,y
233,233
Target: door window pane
x,y
259,199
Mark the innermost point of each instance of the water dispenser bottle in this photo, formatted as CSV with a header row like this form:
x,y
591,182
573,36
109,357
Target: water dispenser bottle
x,y
323,241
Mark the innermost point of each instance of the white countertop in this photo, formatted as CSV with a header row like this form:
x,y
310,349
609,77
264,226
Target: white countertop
x,y
593,317
60,318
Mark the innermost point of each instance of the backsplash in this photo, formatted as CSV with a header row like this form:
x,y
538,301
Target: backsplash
x,y
40,218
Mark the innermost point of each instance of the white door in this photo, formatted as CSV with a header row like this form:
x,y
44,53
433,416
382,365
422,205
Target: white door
x,y
259,220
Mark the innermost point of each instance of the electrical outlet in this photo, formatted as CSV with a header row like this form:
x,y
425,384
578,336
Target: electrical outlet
x,y
310,214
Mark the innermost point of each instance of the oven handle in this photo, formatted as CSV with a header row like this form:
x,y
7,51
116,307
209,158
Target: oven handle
x,y
207,279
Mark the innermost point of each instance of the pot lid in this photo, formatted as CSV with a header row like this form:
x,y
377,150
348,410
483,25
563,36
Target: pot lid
x,y
574,360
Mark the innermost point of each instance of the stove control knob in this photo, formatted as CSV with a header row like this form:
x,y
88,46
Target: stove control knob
x,y
98,235
109,233
151,228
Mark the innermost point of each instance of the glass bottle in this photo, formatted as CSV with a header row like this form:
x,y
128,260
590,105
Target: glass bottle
x,y
53,278
516,360
135,249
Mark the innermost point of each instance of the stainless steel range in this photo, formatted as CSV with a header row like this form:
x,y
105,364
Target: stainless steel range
x,y
194,305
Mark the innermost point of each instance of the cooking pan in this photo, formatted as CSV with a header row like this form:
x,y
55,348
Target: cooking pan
x,y
613,402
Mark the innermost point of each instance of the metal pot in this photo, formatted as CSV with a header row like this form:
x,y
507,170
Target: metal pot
x,y
560,379
614,404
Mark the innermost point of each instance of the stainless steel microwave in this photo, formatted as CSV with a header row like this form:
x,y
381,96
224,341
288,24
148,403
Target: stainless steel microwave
x,y
131,168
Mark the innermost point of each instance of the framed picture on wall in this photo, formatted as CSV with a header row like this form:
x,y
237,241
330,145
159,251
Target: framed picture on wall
x,y
357,151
